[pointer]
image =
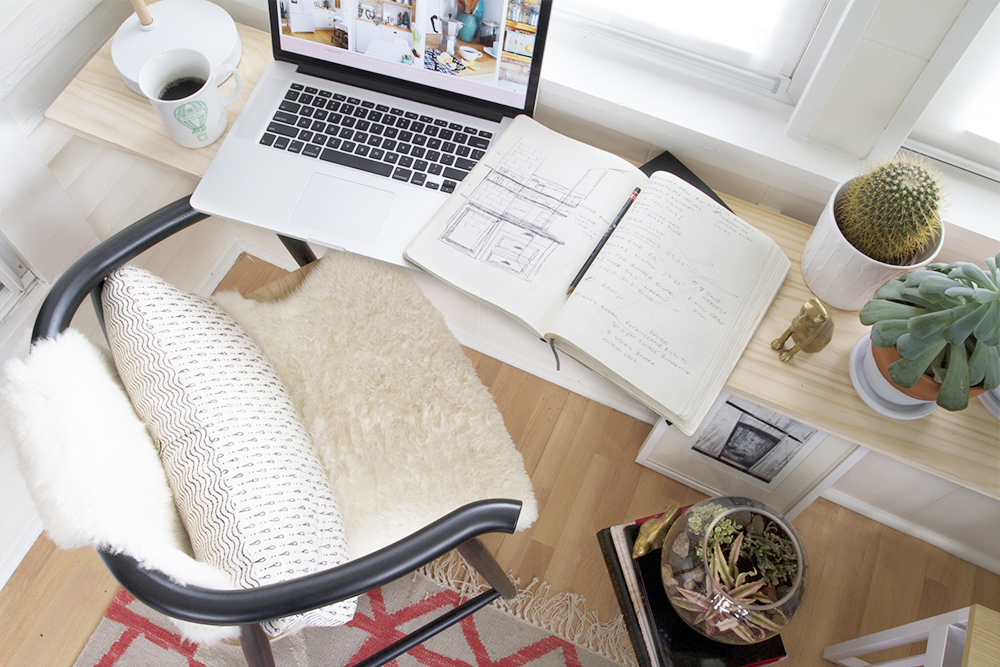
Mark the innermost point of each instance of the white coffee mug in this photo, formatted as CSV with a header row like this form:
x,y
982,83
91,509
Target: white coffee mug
x,y
181,86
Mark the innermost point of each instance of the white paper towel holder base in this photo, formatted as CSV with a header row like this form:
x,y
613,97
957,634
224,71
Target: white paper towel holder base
x,y
170,24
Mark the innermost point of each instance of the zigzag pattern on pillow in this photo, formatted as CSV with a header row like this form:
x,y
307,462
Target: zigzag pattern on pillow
x,y
247,482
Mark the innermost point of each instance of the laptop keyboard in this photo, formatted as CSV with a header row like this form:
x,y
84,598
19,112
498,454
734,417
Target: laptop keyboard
x,y
388,141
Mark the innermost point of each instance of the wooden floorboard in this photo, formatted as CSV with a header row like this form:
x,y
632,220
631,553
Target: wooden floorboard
x,y
863,575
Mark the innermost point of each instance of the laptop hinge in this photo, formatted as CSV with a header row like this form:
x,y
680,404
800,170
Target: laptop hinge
x,y
396,90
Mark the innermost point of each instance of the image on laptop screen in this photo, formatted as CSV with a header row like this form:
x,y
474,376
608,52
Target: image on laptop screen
x,y
477,48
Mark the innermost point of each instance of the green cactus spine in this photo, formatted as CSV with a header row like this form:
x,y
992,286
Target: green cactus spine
x,y
892,212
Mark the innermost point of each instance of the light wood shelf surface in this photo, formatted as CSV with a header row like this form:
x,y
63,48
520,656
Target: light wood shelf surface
x,y
962,447
982,641
99,107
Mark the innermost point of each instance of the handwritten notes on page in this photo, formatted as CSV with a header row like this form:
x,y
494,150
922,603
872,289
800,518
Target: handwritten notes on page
x,y
671,301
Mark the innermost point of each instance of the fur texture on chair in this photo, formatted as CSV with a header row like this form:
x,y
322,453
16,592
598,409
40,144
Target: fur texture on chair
x,y
402,424
92,469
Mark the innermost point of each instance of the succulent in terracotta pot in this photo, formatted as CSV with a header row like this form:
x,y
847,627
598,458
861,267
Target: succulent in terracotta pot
x,y
944,322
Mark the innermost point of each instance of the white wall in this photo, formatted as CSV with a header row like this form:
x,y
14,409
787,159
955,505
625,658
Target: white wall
x,y
960,521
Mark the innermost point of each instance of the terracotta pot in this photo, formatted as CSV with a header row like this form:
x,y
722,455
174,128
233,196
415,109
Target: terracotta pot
x,y
926,389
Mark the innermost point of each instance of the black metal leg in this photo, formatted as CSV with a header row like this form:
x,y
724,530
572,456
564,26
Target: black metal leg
x,y
299,250
424,633
479,557
256,646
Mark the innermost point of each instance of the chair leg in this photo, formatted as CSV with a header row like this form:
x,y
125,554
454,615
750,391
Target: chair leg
x,y
479,557
299,250
256,646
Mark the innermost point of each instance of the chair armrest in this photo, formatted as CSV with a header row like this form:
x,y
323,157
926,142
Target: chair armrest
x,y
88,273
255,605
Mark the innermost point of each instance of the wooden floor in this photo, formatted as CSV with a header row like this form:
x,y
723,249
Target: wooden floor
x,y
863,576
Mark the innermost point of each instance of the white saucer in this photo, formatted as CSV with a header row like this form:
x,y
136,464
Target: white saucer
x,y
871,397
991,400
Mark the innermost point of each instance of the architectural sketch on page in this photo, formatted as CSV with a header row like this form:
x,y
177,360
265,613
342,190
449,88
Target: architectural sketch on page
x,y
512,219
518,228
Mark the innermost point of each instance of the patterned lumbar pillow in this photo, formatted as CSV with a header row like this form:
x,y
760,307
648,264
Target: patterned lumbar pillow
x,y
246,480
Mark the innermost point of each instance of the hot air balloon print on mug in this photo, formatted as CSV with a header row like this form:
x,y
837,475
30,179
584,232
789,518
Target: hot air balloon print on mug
x,y
184,92
194,115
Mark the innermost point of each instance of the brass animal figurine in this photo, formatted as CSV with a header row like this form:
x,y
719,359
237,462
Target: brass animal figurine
x,y
811,330
653,532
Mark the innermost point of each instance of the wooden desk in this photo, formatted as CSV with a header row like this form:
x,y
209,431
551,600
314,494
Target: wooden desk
x,y
961,447
98,106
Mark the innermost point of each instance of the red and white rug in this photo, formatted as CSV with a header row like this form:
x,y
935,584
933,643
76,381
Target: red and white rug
x,y
132,635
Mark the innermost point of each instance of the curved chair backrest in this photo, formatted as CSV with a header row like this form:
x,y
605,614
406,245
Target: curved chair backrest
x,y
249,607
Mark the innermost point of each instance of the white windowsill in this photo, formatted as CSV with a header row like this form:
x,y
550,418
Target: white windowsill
x,y
734,139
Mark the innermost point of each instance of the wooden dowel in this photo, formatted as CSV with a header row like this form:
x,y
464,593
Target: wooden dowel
x,y
142,12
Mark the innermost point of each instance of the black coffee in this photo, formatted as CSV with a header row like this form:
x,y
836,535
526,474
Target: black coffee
x,y
178,89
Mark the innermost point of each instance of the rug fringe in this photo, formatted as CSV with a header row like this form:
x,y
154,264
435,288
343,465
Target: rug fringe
x,y
563,614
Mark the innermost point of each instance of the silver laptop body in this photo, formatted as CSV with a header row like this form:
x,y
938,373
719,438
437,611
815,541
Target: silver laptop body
x,y
285,166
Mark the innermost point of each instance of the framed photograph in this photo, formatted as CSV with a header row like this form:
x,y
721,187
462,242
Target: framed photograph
x,y
760,445
744,449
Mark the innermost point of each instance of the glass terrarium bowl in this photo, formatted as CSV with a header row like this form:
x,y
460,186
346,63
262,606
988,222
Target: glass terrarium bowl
x,y
734,570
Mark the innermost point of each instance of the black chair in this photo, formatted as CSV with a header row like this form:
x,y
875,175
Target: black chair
x,y
249,607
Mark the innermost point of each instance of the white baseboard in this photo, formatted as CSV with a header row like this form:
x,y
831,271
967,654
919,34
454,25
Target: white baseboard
x,y
19,550
280,258
921,533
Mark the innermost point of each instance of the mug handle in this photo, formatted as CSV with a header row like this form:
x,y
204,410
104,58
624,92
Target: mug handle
x,y
226,101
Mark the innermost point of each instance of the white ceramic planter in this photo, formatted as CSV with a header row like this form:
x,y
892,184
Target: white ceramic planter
x,y
840,274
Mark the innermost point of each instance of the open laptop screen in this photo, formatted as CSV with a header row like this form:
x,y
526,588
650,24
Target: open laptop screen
x,y
484,50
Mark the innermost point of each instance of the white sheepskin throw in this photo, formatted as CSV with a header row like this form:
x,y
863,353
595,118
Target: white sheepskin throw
x,y
91,467
402,424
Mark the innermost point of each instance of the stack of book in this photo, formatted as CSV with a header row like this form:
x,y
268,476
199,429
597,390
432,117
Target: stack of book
x,y
659,636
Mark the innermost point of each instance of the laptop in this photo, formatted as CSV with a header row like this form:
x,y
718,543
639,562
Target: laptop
x,y
371,114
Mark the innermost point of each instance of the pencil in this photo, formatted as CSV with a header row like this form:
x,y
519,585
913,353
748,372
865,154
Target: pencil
x,y
604,239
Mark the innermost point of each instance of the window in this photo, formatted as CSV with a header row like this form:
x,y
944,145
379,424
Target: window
x,y
760,43
961,125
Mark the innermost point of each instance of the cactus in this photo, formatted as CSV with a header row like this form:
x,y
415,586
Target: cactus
x,y
944,320
891,212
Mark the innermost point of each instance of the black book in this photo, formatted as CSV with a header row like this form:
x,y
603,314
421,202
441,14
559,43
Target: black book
x,y
659,636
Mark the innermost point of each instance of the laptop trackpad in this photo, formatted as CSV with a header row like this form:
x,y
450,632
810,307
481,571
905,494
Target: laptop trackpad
x,y
342,207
